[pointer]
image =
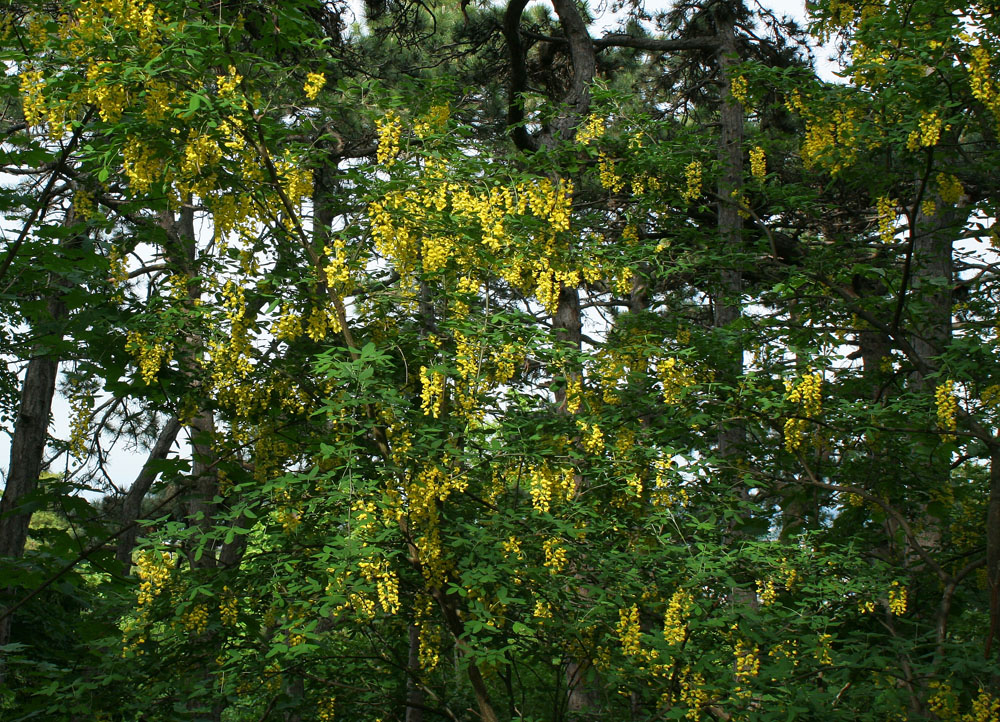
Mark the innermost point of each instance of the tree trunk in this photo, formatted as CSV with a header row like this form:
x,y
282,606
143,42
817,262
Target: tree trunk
x,y
414,694
26,450
726,305
27,445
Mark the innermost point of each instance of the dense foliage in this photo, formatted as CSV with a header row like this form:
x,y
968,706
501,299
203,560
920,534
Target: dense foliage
x,y
480,365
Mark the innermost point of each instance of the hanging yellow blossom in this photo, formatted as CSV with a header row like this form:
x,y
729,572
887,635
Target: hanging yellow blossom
x,y
886,210
897,599
808,395
629,630
947,408
738,89
758,163
593,128
314,84
389,129
692,176
675,617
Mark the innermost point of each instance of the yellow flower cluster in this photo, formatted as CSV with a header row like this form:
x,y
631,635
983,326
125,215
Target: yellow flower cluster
x,y
574,393
227,84
947,408
786,650
385,581
675,378
592,129
981,82
314,83
160,96
201,153
675,617
592,438
634,484
338,273
513,547
629,630
738,89
824,651
610,178
432,391
153,570
885,209
942,701
228,607
230,358
767,592
389,129
109,97
434,121
151,354
990,396
623,283
83,205
928,132
693,693
435,251
326,710
949,188
288,325
429,637
195,619
897,599
32,84
758,163
140,164
547,485
808,394
747,666
404,233
666,493
95,17
831,133
692,178
985,708
555,555
542,610
320,322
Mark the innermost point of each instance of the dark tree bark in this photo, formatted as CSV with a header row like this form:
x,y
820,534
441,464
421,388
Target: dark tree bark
x,y
414,693
27,446
726,305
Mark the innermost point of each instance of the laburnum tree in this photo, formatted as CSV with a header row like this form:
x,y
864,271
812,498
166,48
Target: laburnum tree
x,y
525,372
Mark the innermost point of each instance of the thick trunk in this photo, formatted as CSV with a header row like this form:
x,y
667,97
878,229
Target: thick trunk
x,y
204,480
726,305
27,446
932,272
930,313
26,450
414,694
